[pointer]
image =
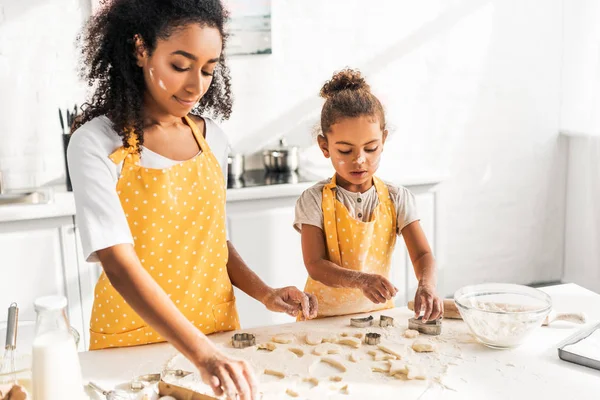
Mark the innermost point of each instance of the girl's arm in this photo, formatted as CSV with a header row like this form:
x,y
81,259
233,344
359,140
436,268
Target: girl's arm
x,y
375,287
288,299
424,265
125,272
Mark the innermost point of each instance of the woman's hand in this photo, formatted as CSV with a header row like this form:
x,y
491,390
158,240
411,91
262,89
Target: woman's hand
x,y
377,288
292,301
226,375
427,300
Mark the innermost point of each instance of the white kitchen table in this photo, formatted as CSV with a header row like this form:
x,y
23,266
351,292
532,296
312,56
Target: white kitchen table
x,y
532,370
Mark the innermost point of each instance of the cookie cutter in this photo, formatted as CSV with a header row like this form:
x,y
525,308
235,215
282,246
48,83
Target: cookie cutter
x,y
372,338
385,321
241,340
429,328
361,322
140,382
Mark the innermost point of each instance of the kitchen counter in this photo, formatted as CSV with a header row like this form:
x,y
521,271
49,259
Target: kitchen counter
x,y
532,370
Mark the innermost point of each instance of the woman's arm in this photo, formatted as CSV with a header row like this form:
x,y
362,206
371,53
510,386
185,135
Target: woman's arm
x,y
288,299
425,270
125,272
375,287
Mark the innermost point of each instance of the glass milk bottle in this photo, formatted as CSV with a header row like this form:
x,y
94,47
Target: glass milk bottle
x,y
56,374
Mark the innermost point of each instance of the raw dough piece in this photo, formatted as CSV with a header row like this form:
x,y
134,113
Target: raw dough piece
x,y
334,363
273,372
358,335
267,346
335,378
283,338
297,351
423,346
291,393
350,341
314,338
381,356
355,356
415,372
398,367
381,367
312,380
411,333
394,350
327,348
345,390
330,338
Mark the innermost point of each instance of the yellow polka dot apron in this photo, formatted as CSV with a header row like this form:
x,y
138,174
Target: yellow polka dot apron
x,y
356,245
177,220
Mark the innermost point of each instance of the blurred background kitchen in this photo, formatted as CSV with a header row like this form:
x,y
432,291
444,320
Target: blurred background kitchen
x,y
493,108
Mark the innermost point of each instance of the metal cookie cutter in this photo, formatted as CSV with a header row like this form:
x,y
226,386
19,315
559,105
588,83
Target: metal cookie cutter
x,y
140,382
241,340
385,321
372,338
361,322
429,328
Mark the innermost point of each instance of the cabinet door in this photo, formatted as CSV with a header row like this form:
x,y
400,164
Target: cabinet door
x,y
262,233
38,259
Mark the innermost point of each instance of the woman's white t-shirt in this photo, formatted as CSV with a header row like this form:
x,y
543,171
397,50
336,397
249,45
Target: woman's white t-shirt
x,y
100,218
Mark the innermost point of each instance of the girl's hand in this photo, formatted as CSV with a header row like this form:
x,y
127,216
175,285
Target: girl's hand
x,y
228,376
377,288
292,301
427,300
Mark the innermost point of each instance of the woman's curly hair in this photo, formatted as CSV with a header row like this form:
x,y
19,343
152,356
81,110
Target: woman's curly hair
x,y
109,63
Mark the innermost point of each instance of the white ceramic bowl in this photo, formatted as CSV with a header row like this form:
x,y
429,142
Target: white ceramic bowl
x,y
502,315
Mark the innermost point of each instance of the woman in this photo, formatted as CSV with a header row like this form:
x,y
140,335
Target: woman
x,y
147,174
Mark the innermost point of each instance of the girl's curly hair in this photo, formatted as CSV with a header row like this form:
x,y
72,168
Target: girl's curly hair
x,y
108,62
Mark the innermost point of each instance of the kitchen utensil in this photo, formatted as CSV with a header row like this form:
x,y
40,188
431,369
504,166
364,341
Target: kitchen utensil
x,y
168,389
235,166
567,353
62,122
385,321
241,340
282,158
372,338
450,310
111,394
502,315
8,361
429,328
361,322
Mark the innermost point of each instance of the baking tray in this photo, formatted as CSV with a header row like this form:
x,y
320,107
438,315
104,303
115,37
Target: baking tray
x,y
576,358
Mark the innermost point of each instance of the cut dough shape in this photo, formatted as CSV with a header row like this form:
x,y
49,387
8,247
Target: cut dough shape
x,y
411,333
334,363
355,356
345,390
330,338
327,348
358,335
276,373
398,367
381,367
291,393
314,339
267,346
381,356
336,378
423,346
394,350
312,380
297,351
415,372
350,341
283,338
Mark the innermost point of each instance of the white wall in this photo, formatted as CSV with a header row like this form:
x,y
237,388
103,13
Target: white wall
x,y
472,90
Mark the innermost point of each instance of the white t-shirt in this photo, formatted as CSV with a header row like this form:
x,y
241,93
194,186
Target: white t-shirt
x,y
100,218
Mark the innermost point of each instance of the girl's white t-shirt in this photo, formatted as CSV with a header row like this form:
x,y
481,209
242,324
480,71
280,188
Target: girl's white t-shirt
x,y
100,218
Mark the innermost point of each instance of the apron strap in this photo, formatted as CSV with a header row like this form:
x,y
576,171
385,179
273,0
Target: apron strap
x,y
118,156
330,223
385,200
197,134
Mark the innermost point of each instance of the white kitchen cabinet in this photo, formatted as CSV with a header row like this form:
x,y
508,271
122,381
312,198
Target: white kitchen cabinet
x,y
39,258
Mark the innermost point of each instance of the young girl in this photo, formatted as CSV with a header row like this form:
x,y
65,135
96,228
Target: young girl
x,y
147,174
349,223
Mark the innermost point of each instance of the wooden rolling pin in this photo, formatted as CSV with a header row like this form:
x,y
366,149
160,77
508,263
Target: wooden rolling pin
x,y
450,310
180,393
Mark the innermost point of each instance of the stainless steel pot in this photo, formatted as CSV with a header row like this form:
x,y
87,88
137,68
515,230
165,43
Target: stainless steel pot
x,y
235,166
281,159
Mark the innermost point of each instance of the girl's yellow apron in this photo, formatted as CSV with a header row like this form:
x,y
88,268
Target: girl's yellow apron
x,y
177,220
357,245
